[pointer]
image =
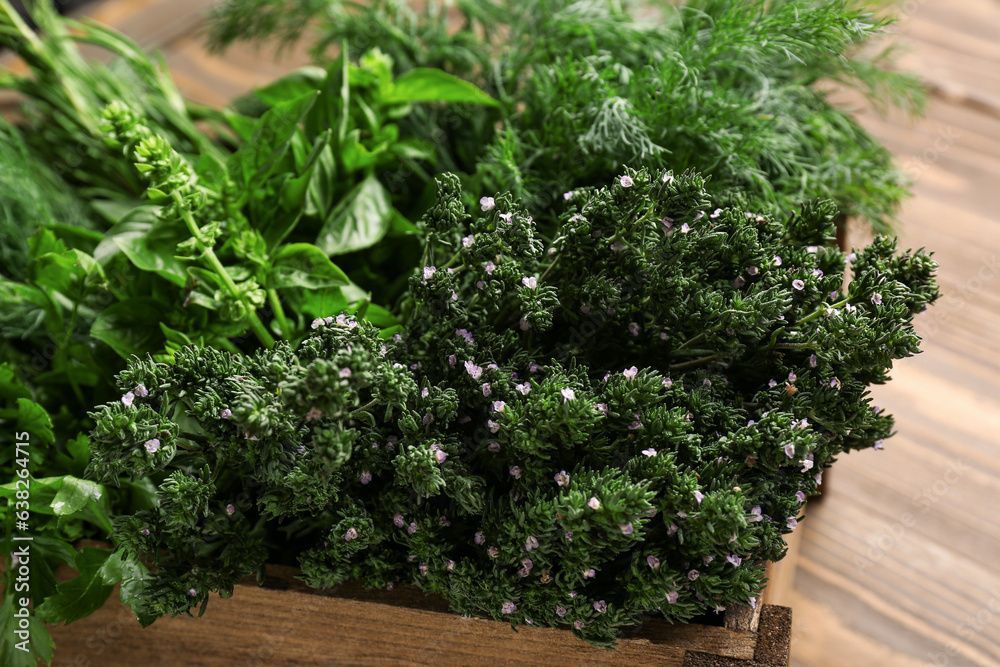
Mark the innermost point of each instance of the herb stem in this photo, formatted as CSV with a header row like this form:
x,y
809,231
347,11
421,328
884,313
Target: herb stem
x,y
279,313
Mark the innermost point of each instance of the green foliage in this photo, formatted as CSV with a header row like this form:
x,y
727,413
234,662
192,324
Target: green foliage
x,y
726,88
619,423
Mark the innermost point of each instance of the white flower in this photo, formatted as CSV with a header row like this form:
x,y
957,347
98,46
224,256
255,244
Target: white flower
x,y
630,373
429,272
626,181
568,395
487,203
468,241
530,282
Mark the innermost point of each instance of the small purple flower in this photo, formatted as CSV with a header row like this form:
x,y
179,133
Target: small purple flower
x,y
653,562
807,463
230,510
365,477
440,456
428,419
568,395
351,534
227,413
594,503
817,273
626,528
152,445
672,597
493,426
494,446
568,195
449,565
490,267
192,592
753,270
530,282
630,373
424,569
798,284
589,573
626,181
141,391
506,216
800,496
707,560
878,444
776,261
813,360
127,399
499,406
515,472
473,370
487,203
692,574
345,372
578,624
533,367
792,377
508,608
649,452
685,228
672,530
739,282
487,389
562,478
790,450
145,531
479,538
716,213
699,496
530,543
849,258
560,611
524,388
493,552
479,285
877,299
600,606
617,246
601,407
636,423
699,215
734,559
568,535
468,241
429,272
425,392
755,515
633,328
412,528
792,523
317,323
452,359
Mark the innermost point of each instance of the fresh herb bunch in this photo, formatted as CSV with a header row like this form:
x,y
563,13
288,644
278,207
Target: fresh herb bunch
x,y
621,423
725,87
66,93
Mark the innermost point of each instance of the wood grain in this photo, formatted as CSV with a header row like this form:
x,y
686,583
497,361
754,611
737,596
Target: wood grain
x,y
287,623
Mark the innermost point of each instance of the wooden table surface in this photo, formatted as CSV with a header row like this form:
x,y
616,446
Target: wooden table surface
x,y
899,564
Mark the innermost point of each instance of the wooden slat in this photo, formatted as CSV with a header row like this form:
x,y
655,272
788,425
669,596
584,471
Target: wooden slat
x,y
290,624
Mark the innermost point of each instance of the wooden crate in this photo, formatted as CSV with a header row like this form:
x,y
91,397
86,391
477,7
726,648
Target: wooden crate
x,y
286,623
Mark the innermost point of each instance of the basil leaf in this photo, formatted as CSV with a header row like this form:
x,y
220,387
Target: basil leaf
x,y
432,85
131,327
304,265
359,221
